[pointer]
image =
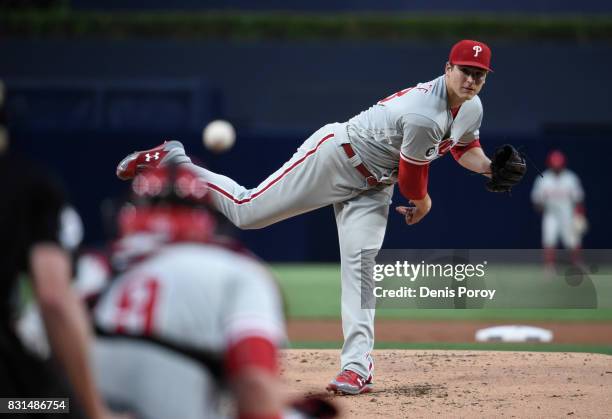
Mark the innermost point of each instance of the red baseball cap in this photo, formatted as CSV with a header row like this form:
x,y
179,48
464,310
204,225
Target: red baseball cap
x,y
471,53
556,160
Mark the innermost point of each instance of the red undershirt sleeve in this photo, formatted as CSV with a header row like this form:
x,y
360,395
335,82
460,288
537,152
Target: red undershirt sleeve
x,y
412,179
254,351
459,149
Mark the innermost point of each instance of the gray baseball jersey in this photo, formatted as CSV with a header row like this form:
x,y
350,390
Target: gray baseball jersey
x,y
199,297
414,124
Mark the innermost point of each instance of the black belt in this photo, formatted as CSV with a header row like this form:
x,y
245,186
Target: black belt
x,y
370,178
209,359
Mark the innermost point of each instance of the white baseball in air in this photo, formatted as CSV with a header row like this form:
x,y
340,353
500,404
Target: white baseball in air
x,y
219,136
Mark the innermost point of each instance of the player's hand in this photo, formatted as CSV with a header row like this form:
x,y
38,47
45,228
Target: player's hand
x,y
416,213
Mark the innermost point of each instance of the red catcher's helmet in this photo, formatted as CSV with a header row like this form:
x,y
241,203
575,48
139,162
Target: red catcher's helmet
x,y
171,201
556,160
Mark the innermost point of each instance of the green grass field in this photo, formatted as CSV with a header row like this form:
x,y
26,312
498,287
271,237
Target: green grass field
x,y
312,291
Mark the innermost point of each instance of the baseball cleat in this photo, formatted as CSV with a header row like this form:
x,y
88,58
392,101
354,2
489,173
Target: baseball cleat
x,y
349,382
158,156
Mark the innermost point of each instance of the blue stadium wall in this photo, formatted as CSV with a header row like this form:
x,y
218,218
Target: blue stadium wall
x,y
439,6
81,106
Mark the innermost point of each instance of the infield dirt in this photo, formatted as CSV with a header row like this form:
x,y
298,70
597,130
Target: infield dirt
x,y
425,384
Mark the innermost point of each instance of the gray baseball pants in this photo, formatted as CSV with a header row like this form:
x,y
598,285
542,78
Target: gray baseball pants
x,y
153,382
320,174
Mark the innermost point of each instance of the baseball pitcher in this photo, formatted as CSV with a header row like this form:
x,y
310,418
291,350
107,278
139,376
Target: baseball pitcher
x,y
354,166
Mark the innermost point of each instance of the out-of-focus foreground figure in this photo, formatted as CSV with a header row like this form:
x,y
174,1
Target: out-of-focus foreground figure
x,y
38,230
190,320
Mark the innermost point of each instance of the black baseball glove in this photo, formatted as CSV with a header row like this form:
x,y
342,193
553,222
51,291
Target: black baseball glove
x,y
507,169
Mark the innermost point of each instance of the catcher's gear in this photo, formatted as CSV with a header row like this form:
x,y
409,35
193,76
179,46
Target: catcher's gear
x,y
507,169
170,201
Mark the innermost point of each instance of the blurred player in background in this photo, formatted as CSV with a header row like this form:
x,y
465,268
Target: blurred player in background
x,y
188,316
38,230
558,196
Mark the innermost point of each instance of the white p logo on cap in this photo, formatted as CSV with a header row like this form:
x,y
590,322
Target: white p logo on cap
x,y
477,50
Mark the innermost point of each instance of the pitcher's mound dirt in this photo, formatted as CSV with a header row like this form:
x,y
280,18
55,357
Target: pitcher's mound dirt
x,y
425,384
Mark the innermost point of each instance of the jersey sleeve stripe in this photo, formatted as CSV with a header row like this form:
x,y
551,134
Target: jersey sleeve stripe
x,y
459,150
413,160
470,144
247,325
